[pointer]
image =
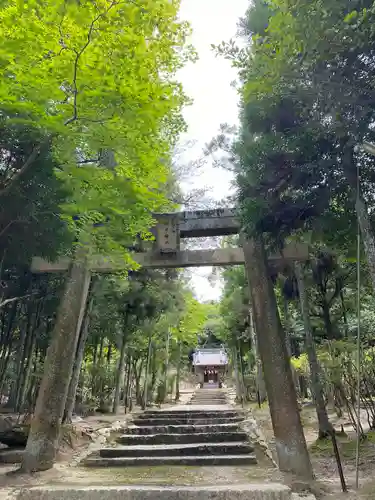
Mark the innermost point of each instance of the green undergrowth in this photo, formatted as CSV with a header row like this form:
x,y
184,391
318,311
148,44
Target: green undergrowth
x,y
347,445
254,407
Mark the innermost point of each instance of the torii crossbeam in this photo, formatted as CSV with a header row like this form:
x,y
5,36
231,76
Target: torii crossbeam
x,y
168,231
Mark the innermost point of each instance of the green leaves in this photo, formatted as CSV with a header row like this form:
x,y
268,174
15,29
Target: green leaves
x,y
352,16
99,76
307,98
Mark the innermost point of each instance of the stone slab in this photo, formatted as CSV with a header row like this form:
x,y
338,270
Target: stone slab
x,y
269,491
11,455
186,421
296,496
181,429
202,403
192,414
207,397
176,450
204,437
205,408
202,460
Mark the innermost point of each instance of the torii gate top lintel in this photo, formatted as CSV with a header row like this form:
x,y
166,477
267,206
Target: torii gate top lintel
x,y
202,223
169,229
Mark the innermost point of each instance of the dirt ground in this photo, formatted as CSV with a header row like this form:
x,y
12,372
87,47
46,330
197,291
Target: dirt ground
x,y
89,434
322,456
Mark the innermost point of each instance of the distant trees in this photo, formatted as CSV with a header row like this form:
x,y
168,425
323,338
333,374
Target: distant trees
x,y
307,84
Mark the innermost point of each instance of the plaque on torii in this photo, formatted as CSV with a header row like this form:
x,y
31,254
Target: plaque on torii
x,y
167,234
169,229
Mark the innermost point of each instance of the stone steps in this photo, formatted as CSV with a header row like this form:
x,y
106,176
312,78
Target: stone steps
x,y
198,437
208,398
200,460
206,437
175,450
186,421
211,393
191,414
207,402
182,429
211,396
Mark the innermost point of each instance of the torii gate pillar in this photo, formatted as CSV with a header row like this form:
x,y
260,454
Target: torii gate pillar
x,y
291,445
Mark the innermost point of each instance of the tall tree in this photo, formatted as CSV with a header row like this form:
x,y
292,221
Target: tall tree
x,y
64,70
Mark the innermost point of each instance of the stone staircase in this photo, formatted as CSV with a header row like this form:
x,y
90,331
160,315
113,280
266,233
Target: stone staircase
x,y
209,395
187,436
206,432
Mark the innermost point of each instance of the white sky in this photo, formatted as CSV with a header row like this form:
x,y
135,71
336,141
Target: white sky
x,y
208,82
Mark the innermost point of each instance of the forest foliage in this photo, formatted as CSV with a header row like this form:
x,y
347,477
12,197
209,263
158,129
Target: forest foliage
x,y
306,85
91,112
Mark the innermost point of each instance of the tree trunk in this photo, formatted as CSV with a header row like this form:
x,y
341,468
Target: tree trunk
x,y
237,375
344,316
178,374
290,441
80,352
327,318
153,370
28,354
137,370
128,381
109,354
43,440
147,371
20,361
166,367
350,170
120,374
27,371
304,394
95,352
325,427
261,386
242,375
287,326
250,364
288,340
101,347
367,236
130,394
6,342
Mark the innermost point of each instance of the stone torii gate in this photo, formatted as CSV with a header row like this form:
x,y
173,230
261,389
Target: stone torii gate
x,y
166,253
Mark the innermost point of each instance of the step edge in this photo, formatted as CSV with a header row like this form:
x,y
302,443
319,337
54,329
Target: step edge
x,y
225,487
177,446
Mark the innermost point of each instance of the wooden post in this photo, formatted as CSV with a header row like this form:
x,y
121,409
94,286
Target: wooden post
x,y
290,441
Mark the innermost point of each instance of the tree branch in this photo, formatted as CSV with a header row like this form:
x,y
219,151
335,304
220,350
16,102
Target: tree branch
x,y
37,149
77,58
89,160
8,301
25,167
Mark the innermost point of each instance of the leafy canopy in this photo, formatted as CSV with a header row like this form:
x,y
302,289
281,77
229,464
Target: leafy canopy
x,y
98,77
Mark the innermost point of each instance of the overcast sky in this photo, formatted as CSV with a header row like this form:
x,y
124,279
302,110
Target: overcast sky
x,y
208,82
